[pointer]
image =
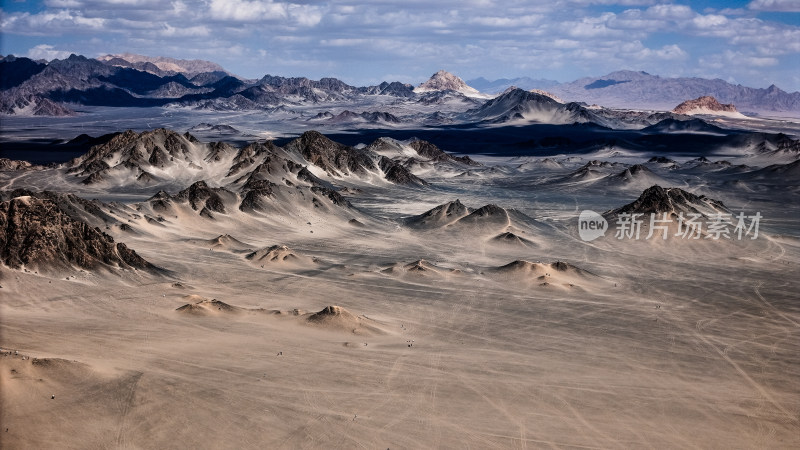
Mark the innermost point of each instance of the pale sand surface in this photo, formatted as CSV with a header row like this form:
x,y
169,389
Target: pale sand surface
x,y
684,352
440,343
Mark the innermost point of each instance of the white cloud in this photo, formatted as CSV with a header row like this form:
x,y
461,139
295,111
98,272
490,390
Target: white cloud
x,y
246,10
614,2
305,15
64,3
50,23
730,59
670,12
196,31
178,7
48,52
590,27
710,21
769,40
262,11
565,43
758,61
670,52
517,21
775,5
348,42
95,5
289,39
370,38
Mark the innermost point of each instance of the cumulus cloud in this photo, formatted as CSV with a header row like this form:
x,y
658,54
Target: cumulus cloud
x,y
254,11
50,22
709,21
94,5
730,58
775,5
47,52
196,31
591,27
64,3
670,12
367,38
614,2
668,52
518,21
246,10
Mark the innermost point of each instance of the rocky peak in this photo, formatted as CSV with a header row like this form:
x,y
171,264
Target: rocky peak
x,y
489,210
656,199
548,94
204,198
704,103
439,216
331,156
434,153
397,173
445,81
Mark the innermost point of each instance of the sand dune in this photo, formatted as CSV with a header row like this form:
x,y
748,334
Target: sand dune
x,y
511,239
419,269
636,175
538,164
289,313
204,306
221,242
336,318
490,215
557,274
280,255
439,216
87,402
455,218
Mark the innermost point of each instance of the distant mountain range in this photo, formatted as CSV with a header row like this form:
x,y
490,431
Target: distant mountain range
x,y
500,85
162,66
628,89
29,87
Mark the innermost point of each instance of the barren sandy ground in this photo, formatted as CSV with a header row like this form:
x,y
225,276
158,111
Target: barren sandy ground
x,y
685,351
650,344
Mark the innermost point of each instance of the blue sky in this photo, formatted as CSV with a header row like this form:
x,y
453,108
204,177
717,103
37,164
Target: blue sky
x,y
755,43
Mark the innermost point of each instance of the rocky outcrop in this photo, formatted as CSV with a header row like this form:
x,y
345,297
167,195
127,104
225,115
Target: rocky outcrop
x,y
333,157
518,104
439,216
656,199
434,153
398,174
203,198
445,81
547,94
32,105
705,104
36,233
13,164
